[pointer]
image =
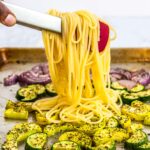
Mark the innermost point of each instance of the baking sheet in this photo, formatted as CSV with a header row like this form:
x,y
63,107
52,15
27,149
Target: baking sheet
x,y
19,60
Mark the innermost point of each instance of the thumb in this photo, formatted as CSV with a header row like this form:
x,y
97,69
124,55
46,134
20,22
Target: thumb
x,y
6,16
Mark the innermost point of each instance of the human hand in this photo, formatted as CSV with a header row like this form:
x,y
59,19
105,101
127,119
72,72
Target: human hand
x,y
6,16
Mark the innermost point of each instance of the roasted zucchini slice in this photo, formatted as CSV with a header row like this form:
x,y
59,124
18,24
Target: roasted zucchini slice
x,y
104,145
90,129
50,89
10,145
16,113
137,88
141,105
22,130
53,129
145,146
121,92
65,145
144,95
38,89
41,119
112,122
11,104
36,141
22,93
80,138
137,138
26,94
102,135
116,134
147,119
125,122
137,103
135,113
117,86
30,98
129,98
134,127
119,134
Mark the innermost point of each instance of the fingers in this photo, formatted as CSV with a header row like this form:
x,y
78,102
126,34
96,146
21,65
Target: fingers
x,y
6,16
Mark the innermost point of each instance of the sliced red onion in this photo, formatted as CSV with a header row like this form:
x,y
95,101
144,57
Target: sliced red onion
x,y
30,77
45,68
117,76
141,77
125,74
11,80
136,73
37,69
127,83
39,74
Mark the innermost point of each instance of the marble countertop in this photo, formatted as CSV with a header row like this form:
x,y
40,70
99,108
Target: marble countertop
x,y
131,32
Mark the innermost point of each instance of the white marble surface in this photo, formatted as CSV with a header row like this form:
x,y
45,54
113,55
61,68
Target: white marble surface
x,y
131,32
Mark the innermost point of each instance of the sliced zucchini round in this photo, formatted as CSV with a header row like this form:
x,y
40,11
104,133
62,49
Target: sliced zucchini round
x,y
36,141
31,97
137,88
16,113
53,129
41,119
38,89
65,145
10,145
119,134
145,146
116,134
102,135
26,94
104,145
144,95
125,122
112,122
90,129
147,119
137,138
10,104
22,130
121,92
80,138
137,103
135,113
117,86
129,98
21,93
134,127
50,89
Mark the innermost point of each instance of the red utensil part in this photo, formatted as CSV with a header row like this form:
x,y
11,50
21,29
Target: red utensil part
x,y
104,35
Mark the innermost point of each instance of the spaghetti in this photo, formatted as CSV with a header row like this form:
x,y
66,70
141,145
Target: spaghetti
x,y
80,73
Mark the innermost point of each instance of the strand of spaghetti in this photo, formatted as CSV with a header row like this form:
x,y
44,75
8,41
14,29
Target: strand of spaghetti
x,y
59,52
50,118
73,117
45,104
74,62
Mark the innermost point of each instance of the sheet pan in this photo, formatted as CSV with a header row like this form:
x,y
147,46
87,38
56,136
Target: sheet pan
x,y
16,60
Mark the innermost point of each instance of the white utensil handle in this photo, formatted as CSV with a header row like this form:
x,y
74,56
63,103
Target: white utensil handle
x,y
35,19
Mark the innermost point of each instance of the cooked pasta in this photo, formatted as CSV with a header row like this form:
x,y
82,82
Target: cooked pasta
x,y
79,73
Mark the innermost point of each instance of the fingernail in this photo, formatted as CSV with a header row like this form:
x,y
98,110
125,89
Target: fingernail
x,y
10,20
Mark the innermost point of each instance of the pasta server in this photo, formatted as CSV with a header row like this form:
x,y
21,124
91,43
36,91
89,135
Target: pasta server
x,y
35,19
